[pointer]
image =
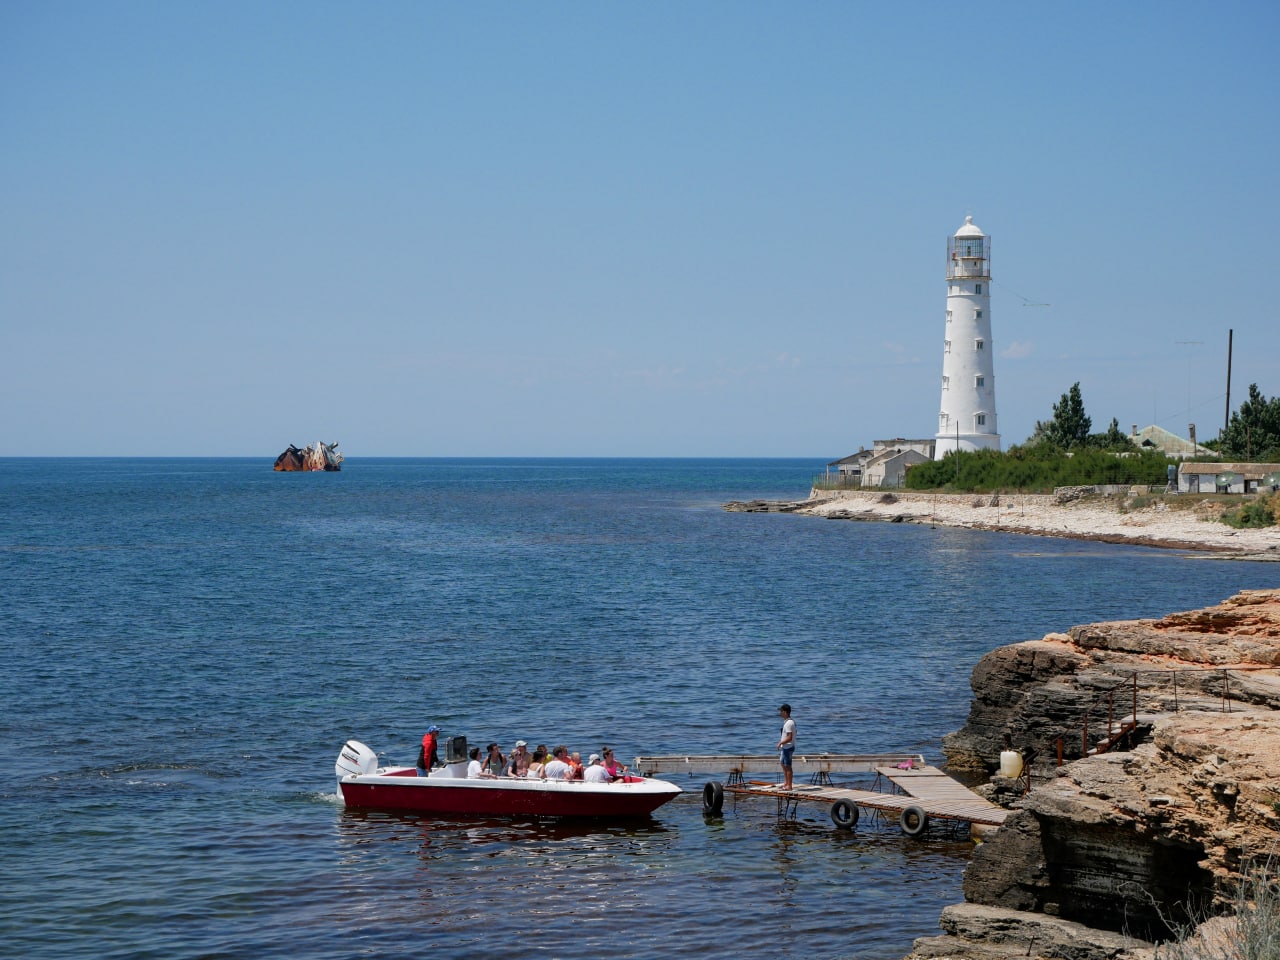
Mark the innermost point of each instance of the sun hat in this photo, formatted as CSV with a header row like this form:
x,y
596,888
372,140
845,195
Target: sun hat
x,y
521,743
595,758
433,729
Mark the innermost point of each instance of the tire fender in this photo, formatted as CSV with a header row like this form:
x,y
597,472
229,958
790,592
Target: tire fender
x,y
844,814
913,821
712,797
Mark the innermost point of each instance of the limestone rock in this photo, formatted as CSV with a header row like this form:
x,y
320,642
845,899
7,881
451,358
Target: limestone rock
x,y
1157,830
980,933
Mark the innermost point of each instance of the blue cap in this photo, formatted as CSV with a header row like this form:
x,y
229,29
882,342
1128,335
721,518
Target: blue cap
x,y
433,729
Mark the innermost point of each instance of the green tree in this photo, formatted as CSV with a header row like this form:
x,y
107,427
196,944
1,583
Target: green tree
x,y
1253,433
1070,426
1113,439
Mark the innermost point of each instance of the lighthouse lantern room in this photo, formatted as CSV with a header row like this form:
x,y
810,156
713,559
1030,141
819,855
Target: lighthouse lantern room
x,y
967,417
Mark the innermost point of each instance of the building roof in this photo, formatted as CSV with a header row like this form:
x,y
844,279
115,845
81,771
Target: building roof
x,y
882,447
970,229
1167,442
851,458
885,456
1250,471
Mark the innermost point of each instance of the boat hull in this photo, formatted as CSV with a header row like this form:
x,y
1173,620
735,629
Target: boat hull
x,y
504,797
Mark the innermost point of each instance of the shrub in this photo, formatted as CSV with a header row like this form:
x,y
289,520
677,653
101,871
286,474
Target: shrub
x,y
1260,512
1037,467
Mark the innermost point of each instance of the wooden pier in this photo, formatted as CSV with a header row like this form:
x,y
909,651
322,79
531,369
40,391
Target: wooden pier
x,y
906,788
817,765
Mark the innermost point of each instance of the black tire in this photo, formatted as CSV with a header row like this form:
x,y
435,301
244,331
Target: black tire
x,y
844,814
913,821
712,798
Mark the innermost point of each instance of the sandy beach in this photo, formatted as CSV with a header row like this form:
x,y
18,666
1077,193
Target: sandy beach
x,y
1107,519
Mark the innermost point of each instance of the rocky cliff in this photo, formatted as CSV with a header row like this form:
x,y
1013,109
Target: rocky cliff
x,y
1168,784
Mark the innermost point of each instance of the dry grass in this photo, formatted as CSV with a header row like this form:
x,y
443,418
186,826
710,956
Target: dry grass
x,y
1251,933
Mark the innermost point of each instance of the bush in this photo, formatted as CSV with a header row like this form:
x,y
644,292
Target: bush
x,y
1261,512
1037,467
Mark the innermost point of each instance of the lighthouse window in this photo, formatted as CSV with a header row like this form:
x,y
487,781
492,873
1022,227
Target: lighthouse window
x,y
980,381
977,287
948,316
946,346
977,345
982,419
979,314
946,383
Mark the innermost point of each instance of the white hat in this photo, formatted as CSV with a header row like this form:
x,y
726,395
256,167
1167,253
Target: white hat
x,y
521,743
595,758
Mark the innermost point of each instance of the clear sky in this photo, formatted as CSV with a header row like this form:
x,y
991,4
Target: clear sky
x,y
607,229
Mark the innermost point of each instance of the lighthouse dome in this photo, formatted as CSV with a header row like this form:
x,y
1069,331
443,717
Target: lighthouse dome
x,y
970,229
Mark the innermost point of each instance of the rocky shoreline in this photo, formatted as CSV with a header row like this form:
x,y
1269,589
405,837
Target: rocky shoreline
x,y
1106,853
1072,513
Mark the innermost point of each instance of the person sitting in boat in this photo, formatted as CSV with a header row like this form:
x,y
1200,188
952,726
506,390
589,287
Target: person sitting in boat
x,y
495,764
616,770
575,766
519,765
559,768
538,766
595,772
475,769
427,756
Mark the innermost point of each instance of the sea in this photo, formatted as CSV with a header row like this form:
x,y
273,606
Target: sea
x,y
187,644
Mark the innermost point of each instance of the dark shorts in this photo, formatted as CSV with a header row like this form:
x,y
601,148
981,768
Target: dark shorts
x,y
785,758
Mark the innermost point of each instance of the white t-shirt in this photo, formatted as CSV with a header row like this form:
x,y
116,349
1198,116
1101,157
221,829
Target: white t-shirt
x,y
558,770
596,774
474,769
789,726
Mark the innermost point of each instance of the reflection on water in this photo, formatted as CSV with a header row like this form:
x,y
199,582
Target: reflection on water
x,y
355,825
679,885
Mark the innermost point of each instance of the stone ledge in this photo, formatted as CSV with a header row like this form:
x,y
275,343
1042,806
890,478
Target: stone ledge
x,y
992,933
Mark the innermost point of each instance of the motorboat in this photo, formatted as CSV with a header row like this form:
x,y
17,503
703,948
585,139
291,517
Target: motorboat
x,y
363,784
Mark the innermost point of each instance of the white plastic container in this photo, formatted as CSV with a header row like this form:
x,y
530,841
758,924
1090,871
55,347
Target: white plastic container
x,y
1010,764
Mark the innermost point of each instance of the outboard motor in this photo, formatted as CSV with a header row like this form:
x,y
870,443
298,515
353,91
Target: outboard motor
x,y
355,758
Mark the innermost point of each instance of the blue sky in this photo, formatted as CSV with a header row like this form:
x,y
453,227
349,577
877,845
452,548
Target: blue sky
x,y
660,229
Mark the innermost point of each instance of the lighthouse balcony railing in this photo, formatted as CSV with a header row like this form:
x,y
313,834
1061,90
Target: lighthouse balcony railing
x,y
968,269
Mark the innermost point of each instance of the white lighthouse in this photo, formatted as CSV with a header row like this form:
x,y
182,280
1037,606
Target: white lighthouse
x,y
967,417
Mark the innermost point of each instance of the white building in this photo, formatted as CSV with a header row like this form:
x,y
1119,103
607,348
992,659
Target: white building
x,y
884,465
1228,477
967,417
889,469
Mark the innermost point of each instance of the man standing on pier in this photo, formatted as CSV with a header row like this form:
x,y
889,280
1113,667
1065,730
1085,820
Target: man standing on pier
x,y
787,744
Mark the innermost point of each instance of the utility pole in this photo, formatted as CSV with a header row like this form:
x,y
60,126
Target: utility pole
x,y
1226,421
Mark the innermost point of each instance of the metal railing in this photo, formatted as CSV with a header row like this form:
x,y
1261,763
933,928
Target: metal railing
x,y
1118,730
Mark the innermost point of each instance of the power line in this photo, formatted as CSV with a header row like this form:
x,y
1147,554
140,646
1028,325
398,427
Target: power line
x,y
1026,301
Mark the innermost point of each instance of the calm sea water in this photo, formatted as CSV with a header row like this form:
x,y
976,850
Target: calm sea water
x,y
188,643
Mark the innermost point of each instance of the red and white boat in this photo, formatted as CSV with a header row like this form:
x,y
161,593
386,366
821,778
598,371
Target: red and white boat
x,y
363,784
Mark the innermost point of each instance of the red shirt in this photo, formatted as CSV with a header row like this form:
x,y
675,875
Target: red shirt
x,y
428,749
